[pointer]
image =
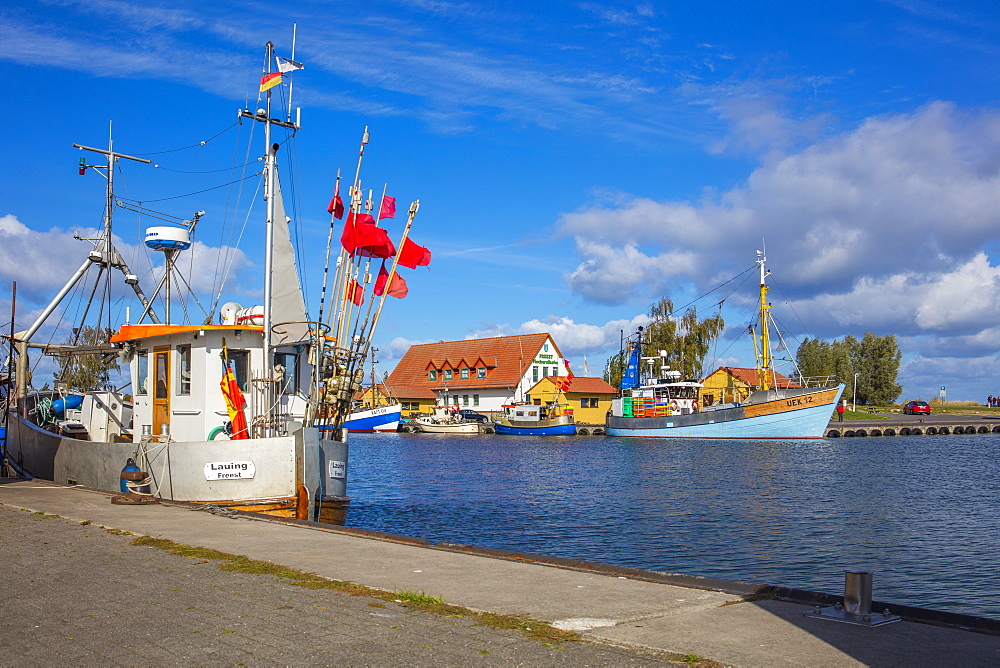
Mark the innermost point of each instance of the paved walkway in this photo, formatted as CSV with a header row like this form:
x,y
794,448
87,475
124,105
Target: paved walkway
x,y
75,592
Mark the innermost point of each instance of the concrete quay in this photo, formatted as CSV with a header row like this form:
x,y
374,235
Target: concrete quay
x,y
913,425
75,589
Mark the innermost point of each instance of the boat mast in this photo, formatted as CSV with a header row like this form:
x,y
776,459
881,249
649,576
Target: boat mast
x,y
764,360
105,255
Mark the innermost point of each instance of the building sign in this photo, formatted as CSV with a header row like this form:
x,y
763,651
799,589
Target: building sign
x,y
338,469
229,470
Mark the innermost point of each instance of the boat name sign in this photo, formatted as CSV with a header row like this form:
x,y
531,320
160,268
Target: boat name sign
x,y
229,470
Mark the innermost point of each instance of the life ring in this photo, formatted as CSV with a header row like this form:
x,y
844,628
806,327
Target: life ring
x,y
694,405
674,405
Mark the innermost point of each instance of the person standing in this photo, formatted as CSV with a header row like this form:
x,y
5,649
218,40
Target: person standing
x,y
840,411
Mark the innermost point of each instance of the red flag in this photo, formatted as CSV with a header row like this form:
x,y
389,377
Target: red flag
x,y
235,402
336,207
388,208
569,377
355,293
363,237
397,288
412,255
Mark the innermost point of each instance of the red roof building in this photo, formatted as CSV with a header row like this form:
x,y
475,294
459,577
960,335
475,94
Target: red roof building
x,y
480,374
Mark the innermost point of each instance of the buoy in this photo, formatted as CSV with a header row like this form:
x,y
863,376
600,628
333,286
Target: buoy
x,y
71,402
133,474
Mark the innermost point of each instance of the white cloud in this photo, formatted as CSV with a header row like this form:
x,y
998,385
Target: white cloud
x,y
42,262
882,227
573,338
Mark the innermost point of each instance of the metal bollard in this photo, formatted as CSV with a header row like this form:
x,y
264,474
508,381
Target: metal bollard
x,y
858,593
857,606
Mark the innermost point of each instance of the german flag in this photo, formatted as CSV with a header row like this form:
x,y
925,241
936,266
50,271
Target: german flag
x,y
270,81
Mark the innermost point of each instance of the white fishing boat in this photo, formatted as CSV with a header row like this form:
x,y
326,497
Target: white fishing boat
x,y
226,414
377,418
380,419
661,404
445,420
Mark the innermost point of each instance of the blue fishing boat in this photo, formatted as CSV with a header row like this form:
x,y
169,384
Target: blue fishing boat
x,y
663,405
552,419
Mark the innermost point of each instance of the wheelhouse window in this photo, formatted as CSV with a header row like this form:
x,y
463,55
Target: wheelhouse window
x,y
184,369
240,359
290,363
141,372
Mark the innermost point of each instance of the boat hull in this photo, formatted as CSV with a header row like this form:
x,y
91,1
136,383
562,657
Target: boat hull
x,y
378,419
792,414
281,476
457,428
535,428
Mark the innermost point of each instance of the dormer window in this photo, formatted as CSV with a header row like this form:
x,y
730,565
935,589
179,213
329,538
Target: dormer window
x,y
465,374
432,374
447,374
481,372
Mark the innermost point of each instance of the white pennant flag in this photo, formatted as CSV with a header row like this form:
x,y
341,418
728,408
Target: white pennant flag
x,y
287,65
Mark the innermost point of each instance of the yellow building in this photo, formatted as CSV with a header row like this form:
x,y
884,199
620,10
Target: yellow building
x,y
728,384
590,398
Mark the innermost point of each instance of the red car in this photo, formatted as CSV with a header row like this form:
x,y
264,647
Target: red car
x,y
916,407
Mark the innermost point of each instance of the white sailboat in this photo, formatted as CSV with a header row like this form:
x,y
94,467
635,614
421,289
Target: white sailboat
x,y
267,438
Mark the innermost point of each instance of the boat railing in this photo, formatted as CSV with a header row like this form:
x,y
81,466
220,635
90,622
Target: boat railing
x,y
816,381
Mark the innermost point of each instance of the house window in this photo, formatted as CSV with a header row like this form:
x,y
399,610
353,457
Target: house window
x,y
545,347
465,374
409,405
534,374
481,372
184,369
589,402
545,372
432,375
475,399
290,363
142,372
465,399
447,374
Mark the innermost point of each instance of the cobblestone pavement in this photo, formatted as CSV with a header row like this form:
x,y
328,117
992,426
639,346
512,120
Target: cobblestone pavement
x,y
76,593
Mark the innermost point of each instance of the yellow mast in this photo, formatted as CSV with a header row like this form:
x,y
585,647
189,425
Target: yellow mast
x,y
764,360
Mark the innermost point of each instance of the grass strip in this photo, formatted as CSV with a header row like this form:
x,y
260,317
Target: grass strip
x,y
529,628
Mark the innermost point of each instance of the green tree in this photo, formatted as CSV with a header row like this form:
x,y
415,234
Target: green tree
x,y
89,371
614,369
686,339
876,361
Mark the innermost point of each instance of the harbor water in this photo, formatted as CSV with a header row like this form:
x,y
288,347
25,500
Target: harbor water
x,y
921,512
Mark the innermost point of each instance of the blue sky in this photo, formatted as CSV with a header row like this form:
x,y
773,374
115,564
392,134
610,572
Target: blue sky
x,y
574,161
